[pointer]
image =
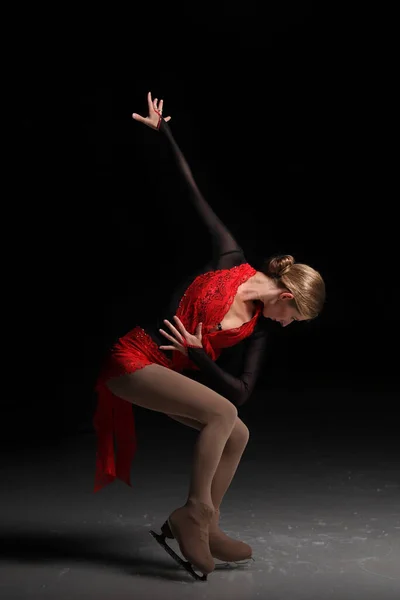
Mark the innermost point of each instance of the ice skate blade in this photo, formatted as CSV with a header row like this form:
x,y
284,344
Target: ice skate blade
x,y
239,564
183,563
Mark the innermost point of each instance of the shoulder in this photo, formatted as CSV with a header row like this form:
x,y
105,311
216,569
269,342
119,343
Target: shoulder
x,y
228,260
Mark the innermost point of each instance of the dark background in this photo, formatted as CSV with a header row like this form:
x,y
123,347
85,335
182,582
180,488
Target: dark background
x,y
282,114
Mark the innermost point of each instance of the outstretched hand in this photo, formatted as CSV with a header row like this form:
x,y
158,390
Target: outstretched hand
x,y
181,338
155,113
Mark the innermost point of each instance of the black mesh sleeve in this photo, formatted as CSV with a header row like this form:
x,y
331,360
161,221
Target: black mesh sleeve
x,y
235,389
226,250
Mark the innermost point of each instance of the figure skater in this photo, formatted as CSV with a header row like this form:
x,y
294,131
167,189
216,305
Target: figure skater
x,y
227,305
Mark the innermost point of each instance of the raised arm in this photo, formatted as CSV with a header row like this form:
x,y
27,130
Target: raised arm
x,y
224,242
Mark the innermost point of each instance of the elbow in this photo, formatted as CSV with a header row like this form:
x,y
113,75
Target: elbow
x,y
241,400
242,393
240,397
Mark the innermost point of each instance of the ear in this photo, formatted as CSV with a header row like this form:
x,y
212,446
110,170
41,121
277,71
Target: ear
x,y
286,296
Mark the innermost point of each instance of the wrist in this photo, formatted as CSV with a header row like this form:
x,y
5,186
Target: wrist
x,y
195,346
160,122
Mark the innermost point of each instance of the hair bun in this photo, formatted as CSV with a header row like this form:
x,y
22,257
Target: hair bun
x,y
279,265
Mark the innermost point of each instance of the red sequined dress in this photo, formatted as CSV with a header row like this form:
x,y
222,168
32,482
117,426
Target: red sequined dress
x,y
205,299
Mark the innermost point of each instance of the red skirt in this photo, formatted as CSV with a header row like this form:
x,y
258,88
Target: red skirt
x,y
114,419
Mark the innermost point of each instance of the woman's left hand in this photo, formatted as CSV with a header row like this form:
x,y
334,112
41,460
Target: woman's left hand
x,y
155,113
181,338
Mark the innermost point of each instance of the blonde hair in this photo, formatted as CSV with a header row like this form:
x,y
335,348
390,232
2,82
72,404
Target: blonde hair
x,y
304,282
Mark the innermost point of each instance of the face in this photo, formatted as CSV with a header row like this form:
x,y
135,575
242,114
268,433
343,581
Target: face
x,y
282,310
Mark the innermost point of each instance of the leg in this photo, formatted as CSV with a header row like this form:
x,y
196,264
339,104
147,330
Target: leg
x,y
161,389
234,448
230,458
222,546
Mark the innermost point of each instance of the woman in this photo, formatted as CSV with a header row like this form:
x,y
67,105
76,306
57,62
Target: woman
x,y
225,306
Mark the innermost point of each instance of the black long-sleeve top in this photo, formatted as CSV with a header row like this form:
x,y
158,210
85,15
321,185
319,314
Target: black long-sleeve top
x,y
235,372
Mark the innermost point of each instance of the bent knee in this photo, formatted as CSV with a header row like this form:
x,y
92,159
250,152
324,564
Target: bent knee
x,y
221,410
240,434
228,412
